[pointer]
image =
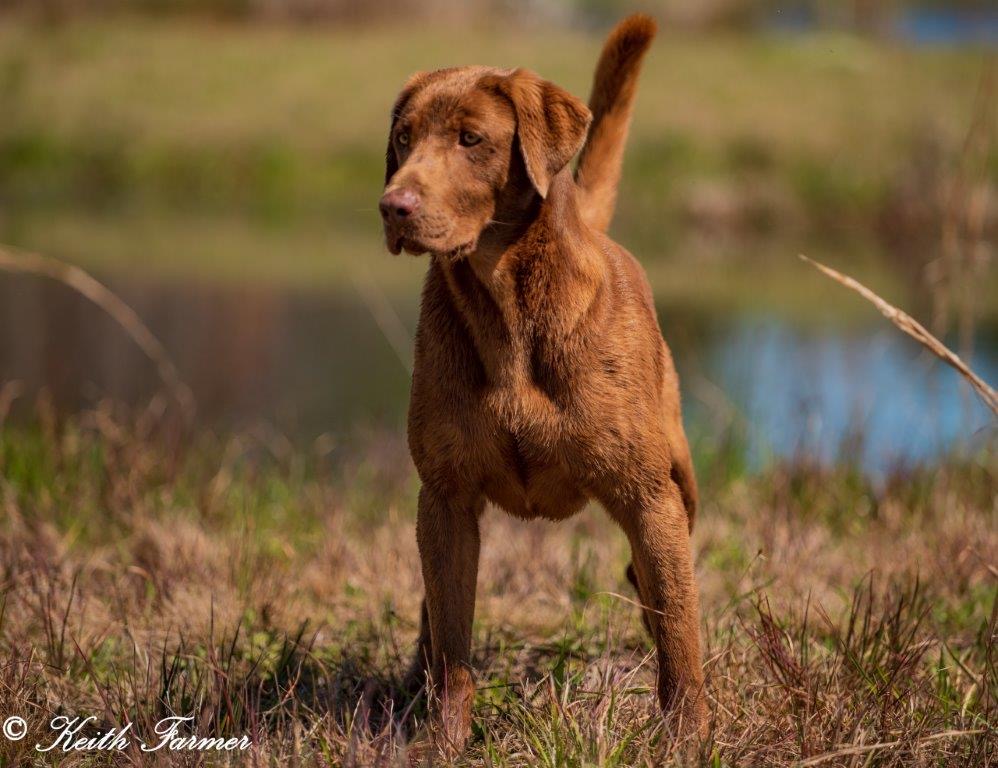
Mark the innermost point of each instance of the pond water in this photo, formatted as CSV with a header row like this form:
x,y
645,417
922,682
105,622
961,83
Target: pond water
x,y
314,362
932,25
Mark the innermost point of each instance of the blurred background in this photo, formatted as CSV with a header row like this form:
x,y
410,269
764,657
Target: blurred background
x,y
217,163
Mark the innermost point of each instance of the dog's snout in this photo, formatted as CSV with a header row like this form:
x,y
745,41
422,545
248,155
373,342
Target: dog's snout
x,y
398,203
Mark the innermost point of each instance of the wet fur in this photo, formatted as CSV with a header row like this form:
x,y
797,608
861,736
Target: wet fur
x,y
541,379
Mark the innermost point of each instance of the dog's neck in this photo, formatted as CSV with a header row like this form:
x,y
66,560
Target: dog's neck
x,y
529,233
517,208
537,280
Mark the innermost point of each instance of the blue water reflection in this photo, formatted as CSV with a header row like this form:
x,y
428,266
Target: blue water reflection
x,y
871,396
312,362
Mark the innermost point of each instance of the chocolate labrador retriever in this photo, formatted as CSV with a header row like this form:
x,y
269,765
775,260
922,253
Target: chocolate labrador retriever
x,y
541,378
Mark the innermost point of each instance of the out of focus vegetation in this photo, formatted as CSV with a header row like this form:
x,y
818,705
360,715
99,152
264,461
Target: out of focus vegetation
x,y
817,134
868,16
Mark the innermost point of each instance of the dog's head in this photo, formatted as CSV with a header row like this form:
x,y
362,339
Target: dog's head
x,y
468,147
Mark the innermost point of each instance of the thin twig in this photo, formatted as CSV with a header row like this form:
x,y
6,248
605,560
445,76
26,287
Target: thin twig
x,y
864,748
917,331
387,319
16,260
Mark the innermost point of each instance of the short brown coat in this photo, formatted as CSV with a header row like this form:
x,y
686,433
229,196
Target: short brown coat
x,y
541,378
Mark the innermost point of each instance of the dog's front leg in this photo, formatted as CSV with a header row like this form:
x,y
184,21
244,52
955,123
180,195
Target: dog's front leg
x,y
663,564
447,533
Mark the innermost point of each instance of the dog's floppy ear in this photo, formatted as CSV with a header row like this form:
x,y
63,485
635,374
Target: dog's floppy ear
x,y
412,85
551,124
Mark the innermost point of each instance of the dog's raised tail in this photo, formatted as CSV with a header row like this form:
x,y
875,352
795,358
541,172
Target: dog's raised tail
x,y
611,102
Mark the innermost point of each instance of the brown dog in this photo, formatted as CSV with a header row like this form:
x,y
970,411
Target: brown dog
x,y
541,378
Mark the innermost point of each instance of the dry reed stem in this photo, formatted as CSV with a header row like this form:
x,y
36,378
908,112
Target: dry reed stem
x,y
386,318
16,260
917,331
861,749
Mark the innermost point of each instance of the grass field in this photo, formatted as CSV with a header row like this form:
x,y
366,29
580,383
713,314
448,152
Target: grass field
x,y
244,152
314,90
271,589
286,122
275,593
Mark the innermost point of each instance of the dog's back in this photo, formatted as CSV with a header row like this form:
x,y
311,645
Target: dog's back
x,y
598,177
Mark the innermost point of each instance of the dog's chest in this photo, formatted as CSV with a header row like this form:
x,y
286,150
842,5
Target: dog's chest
x,y
528,486
530,470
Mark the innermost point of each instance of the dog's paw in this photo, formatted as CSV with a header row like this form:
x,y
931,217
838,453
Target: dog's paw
x,y
450,724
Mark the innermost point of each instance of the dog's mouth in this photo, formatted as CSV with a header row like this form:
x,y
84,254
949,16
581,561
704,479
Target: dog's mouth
x,y
414,244
410,238
398,242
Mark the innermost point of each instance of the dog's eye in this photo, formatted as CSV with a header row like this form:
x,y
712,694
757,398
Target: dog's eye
x,y
469,139
403,139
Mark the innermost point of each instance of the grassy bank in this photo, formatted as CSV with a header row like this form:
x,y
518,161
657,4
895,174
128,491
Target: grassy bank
x,y
284,121
275,592
212,151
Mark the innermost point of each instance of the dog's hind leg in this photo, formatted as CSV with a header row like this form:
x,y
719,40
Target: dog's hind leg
x,y
682,474
632,577
657,529
415,678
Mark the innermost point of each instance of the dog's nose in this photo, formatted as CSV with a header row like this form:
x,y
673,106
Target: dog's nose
x,y
398,204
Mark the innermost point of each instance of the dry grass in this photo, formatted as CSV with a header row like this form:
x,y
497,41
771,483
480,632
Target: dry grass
x,y
274,591
22,262
910,326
